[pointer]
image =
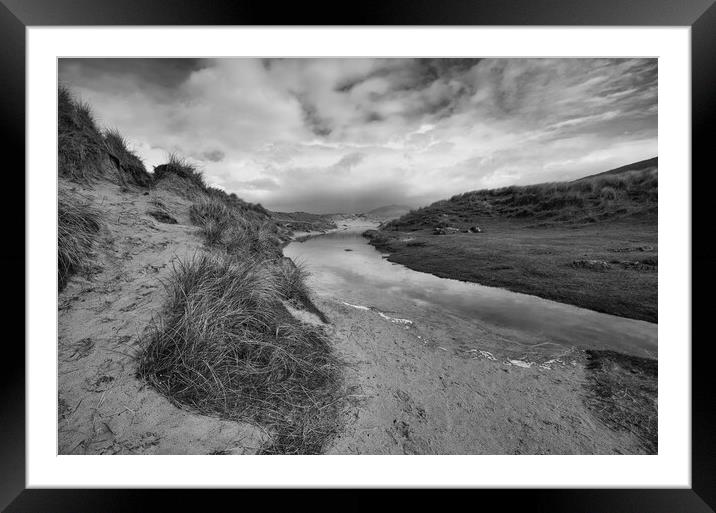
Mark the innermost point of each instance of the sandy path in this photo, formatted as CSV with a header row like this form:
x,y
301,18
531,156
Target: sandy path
x,y
102,407
409,396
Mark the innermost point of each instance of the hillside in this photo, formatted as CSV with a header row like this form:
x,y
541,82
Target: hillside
x,y
642,165
303,221
388,212
178,317
629,192
591,243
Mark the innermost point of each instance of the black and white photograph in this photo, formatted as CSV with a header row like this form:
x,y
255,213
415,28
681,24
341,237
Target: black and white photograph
x,y
357,256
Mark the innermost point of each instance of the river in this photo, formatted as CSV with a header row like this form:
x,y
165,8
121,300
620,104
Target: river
x,y
343,266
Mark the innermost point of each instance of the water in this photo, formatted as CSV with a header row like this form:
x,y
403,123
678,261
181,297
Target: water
x,y
484,317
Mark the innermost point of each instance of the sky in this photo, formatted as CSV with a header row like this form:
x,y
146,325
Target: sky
x,y
350,135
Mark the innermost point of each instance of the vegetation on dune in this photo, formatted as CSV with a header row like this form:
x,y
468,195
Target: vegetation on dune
x,y
79,141
85,152
627,194
187,180
179,167
130,166
235,230
77,229
227,346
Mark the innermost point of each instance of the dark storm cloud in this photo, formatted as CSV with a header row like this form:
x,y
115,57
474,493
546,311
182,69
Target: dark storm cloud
x,y
354,134
408,74
315,123
212,155
167,73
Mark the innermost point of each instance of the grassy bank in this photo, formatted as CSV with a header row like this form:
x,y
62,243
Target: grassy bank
x,y
591,243
78,225
303,221
225,343
227,346
541,262
630,194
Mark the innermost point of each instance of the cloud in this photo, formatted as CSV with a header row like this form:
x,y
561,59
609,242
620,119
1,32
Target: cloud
x,y
259,184
349,161
212,155
353,134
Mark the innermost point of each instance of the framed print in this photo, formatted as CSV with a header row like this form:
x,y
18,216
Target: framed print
x,y
414,250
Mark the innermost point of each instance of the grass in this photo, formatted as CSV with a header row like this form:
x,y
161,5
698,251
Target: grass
x,y
540,261
225,344
622,392
591,242
83,149
630,194
130,167
78,226
303,221
226,347
80,143
181,168
228,227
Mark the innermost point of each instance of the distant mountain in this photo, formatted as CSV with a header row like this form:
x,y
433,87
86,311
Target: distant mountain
x,y
627,192
388,212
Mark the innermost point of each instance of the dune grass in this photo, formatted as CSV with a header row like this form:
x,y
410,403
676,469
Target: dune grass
x,y
130,167
80,143
632,193
77,229
226,347
182,168
230,228
83,148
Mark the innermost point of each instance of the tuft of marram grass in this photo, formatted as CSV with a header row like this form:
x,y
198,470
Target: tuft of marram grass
x,y
84,150
79,141
131,168
77,229
226,347
228,227
182,168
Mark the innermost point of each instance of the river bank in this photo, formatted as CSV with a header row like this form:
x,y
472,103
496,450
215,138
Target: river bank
x,y
411,392
610,268
429,373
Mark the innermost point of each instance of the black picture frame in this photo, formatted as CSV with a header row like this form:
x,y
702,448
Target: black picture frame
x,y
17,15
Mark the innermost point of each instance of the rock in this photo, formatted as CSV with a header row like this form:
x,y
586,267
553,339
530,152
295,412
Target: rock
x,y
474,229
445,230
592,265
